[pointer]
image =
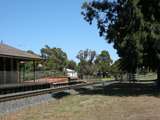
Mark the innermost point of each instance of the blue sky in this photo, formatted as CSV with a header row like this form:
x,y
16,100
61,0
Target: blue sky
x,y
31,24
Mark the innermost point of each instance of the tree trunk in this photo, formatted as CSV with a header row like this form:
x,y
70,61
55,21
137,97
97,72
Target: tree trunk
x,y
158,76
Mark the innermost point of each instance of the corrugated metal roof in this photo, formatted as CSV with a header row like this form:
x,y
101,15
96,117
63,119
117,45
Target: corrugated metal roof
x,y
8,51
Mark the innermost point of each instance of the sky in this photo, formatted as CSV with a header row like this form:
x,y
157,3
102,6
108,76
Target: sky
x,y
32,24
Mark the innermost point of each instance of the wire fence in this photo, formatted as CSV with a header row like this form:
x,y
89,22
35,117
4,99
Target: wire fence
x,y
21,76
123,77
42,74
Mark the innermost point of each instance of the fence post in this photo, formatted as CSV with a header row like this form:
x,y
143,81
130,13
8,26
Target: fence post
x,y
103,85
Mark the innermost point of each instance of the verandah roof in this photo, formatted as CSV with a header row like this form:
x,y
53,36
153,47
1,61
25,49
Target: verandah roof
x,y
8,51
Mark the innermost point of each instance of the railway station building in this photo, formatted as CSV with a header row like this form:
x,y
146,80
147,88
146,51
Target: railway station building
x,y
10,61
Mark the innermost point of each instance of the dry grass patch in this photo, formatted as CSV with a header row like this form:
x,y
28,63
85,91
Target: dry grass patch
x,y
93,107
114,102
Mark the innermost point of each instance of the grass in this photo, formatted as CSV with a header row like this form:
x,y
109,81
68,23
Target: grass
x,y
114,102
107,78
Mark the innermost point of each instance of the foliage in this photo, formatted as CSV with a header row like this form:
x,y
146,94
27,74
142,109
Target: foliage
x,y
86,55
103,61
116,66
71,65
55,58
86,65
30,51
132,26
29,64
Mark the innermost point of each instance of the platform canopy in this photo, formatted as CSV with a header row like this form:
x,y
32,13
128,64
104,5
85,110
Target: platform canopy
x,y
11,52
13,62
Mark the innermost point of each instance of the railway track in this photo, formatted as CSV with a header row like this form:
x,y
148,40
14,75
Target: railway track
x,y
15,96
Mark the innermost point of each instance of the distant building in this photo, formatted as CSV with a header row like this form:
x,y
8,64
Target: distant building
x,y
10,60
71,74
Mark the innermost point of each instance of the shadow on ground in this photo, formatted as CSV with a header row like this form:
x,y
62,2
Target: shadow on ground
x,y
60,95
123,89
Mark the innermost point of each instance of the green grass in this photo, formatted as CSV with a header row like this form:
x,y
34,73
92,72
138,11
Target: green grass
x,y
107,79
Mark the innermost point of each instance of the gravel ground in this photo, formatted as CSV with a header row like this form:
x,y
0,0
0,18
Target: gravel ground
x,y
12,106
16,105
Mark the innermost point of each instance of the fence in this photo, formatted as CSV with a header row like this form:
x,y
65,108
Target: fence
x,y
42,74
124,76
8,77
20,76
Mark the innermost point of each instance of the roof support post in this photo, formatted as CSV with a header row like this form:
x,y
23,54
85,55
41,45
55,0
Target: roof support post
x,y
4,71
34,70
12,75
18,71
24,71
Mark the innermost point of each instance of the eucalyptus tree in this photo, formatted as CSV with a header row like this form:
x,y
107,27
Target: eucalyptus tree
x,y
86,65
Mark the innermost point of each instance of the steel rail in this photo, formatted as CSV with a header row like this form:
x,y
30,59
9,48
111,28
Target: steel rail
x,y
15,96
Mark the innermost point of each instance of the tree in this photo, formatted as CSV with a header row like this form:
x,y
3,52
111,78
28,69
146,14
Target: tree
x,y
119,23
132,26
71,65
29,65
116,66
86,64
103,62
30,51
55,58
86,55
151,10
116,70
